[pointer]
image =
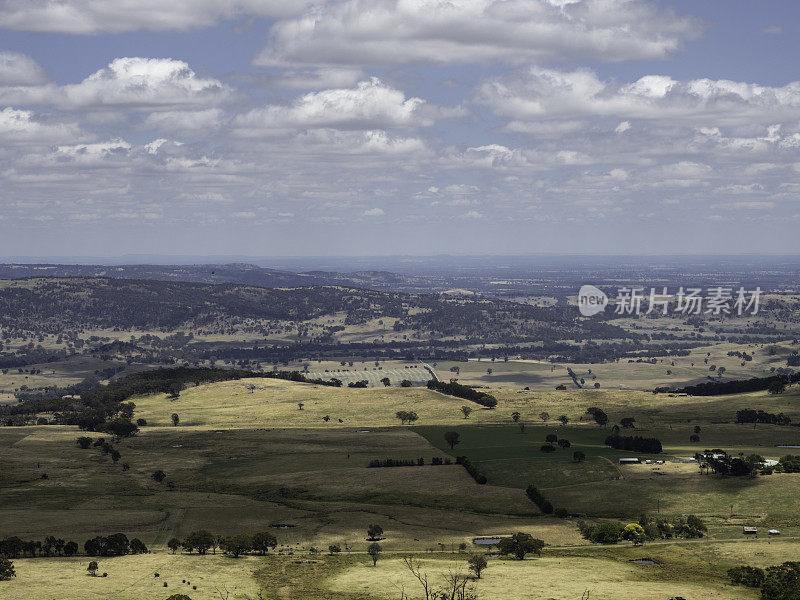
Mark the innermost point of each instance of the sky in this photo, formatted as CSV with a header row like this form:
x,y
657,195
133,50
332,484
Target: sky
x,y
378,127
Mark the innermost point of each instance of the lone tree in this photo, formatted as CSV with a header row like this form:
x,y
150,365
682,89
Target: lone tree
x,y
578,456
521,544
6,569
564,419
92,568
466,411
406,416
374,532
374,550
174,544
385,381
452,438
477,563
517,418
175,419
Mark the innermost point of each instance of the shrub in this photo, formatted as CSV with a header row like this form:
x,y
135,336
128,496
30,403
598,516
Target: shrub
x,y
6,569
749,576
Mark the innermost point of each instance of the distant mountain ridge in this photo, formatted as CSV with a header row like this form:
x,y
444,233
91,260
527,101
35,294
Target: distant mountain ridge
x,y
237,273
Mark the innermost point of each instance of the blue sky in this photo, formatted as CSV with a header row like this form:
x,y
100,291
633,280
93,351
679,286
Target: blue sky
x,y
374,127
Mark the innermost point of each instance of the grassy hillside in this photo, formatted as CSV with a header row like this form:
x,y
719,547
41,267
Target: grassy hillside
x,y
247,460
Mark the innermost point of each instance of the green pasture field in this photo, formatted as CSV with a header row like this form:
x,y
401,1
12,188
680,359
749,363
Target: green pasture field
x,y
600,486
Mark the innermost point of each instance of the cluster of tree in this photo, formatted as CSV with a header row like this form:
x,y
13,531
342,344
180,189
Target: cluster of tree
x,y
790,463
749,415
15,547
756,384
656,528
84,442
634,443
420,462
552,438
33,356
202,541
720,462
102,408
358,384
538,499
114,545
453,388
479,477
781,582
609,532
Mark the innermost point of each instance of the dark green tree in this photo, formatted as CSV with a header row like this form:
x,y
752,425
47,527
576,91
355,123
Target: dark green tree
x,y
520,544
452,438
374,550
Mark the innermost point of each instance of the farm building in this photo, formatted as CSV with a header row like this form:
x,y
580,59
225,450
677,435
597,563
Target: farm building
x,y
750,530
629,461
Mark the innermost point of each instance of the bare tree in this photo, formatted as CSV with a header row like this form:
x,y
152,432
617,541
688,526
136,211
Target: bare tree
x,y
415,566
223,593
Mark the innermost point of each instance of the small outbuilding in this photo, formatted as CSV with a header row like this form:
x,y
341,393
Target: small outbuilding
x,y
750,530
774,532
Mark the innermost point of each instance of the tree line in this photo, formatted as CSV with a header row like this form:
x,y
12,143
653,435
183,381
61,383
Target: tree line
x,y
116,544
740,386
453,388
634,443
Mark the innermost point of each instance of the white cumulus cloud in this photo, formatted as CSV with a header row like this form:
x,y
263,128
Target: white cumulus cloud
x,y
144,82
369,104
